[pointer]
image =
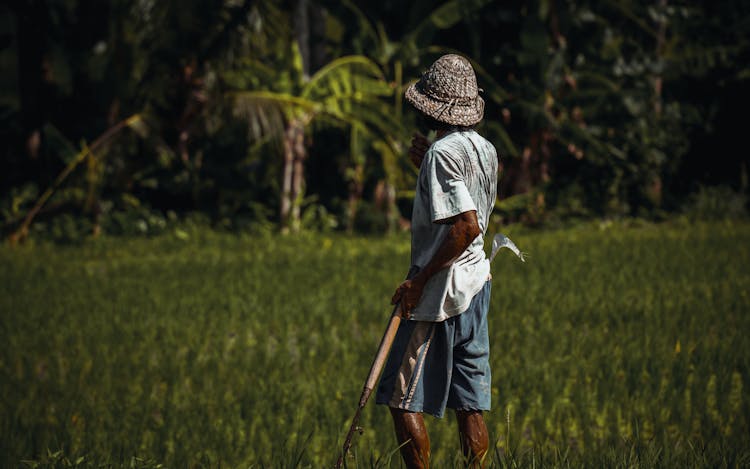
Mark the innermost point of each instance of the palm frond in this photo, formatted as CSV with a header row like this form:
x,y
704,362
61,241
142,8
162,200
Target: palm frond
x,y
354,72
249,73
267,112
375,118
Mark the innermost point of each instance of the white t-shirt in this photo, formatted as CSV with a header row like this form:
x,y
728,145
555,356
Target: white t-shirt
x,y
458,174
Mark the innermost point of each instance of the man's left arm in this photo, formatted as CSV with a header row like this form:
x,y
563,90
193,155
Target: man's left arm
x,y
463,231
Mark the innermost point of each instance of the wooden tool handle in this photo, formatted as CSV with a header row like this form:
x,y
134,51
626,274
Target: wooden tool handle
x,y
384,349
377,366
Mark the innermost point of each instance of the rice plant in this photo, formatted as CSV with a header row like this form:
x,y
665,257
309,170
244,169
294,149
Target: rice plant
x,y
614,345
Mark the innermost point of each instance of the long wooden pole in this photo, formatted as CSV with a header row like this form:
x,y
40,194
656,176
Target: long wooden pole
x,y
372,378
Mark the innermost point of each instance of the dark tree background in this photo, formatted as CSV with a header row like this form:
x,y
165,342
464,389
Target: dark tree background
x,y
122,116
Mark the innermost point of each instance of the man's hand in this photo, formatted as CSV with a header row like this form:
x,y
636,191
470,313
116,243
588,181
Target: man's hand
x,y
464,229
419,146
408,294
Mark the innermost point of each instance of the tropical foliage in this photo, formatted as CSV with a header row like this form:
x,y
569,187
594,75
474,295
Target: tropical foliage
x,y
256,114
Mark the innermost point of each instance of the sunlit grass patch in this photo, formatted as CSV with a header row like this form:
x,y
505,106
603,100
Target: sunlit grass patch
x,y
611,346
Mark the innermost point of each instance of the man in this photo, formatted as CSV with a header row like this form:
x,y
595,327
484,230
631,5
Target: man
x,y
440,357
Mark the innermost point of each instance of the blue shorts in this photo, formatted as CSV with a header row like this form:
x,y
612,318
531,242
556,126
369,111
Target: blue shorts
x,y
434,365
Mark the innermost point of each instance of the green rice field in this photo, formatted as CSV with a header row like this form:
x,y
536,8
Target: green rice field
x,y
617,344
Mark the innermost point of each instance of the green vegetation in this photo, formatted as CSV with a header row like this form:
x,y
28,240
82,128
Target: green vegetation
x,y
614,345
289,113
144,337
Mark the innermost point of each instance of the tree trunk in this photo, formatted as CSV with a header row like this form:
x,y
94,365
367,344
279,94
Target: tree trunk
x,y
298,174
654,188
356,188
285,205
391,210
294,139
293,176
385,202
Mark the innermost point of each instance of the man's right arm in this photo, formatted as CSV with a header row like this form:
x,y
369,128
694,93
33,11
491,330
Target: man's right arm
x,y
463,231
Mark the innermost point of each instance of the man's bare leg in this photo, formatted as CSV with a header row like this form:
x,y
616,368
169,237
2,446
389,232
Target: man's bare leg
x,y
412,437
474,438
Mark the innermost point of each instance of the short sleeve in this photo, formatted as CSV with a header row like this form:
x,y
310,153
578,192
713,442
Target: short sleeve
x,y
449,195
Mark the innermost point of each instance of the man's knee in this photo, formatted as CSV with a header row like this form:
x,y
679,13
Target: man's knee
x,y
410,424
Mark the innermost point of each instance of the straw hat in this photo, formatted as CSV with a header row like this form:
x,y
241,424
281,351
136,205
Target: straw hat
x,y
448,92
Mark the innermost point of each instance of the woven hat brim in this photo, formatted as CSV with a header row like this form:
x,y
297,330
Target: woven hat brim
x,y
457,114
